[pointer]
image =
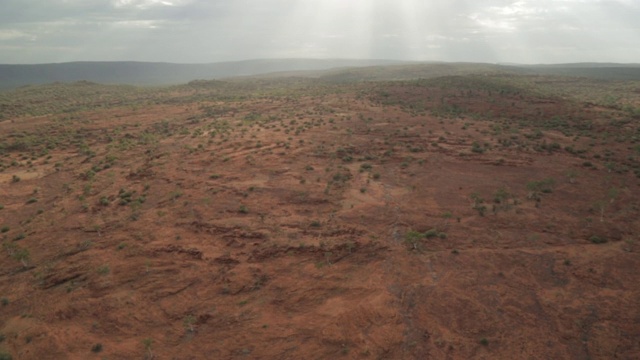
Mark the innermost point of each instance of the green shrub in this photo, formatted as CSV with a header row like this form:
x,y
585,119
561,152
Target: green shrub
x,y
413,238
501,196
544,185
431,233
477,148
104,270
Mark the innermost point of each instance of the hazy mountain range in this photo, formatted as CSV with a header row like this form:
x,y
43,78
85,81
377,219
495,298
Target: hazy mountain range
x,y
149,73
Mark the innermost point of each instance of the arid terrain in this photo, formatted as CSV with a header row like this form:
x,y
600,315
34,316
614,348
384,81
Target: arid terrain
x,y
488,216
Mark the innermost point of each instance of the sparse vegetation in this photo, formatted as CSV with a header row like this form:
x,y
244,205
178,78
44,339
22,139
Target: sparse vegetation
x,y
148,342
103,270
290,196
478,204
413,238
188,322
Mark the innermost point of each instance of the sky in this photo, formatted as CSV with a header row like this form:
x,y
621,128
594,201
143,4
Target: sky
x,y
199,31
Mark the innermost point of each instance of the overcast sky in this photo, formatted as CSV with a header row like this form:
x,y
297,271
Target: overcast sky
x,y
199,31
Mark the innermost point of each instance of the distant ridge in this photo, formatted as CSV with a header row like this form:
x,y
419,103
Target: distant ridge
x,y
341,70
157,73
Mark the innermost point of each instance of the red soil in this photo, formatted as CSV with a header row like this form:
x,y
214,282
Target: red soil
x,y
291,252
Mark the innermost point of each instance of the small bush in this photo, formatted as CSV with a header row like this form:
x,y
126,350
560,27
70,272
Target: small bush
x,y
413,238
4,229
104,270
481,209
96,348
597,239
431,234
477,148
544,185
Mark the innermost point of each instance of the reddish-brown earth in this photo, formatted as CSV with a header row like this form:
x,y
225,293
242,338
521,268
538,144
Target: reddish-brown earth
x,y
293,226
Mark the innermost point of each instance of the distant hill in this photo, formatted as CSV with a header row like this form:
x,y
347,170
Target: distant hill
x,y
591,70
147,73
331,70
427,70
413,71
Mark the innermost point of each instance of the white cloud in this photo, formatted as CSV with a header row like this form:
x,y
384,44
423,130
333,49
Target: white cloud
x,y
137,24
12,34
219,30
144,4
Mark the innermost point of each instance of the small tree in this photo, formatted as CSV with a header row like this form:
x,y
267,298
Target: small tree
x,y
612,194
572,175
22,255
478,203
445,223
412,238
188,322
147,342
